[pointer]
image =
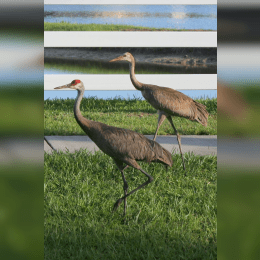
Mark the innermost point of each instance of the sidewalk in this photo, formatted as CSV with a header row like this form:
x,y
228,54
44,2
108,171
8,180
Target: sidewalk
x,y
198,144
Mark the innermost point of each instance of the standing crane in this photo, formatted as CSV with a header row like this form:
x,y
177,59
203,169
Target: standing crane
x,y
126,147
167,101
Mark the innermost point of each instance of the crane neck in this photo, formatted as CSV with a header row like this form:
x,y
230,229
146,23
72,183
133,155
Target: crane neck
x,y
138,85
77,112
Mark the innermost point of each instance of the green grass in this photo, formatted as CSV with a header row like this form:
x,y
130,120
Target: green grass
x,y
97,67
103,68
133,114
174,217
65,26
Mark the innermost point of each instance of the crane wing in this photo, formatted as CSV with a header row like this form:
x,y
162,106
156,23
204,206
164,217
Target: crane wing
x,y
175,103
125,144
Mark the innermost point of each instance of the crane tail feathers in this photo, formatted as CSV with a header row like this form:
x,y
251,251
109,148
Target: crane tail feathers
x,y
202,114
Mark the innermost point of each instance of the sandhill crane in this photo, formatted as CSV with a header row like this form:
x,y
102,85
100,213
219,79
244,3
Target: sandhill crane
x,y
167,101
124,146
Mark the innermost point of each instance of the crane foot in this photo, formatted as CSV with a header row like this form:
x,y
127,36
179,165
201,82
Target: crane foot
x,y
116,205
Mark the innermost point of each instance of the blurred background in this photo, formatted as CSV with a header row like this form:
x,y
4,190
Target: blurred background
x,y
238,129
21,130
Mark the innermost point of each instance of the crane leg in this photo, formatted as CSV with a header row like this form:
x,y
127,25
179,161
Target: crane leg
x,y
161,118
125,189
178,138
150,179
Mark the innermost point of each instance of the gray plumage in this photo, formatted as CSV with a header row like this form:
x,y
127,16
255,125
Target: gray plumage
x,y
175,103
123,145
167,101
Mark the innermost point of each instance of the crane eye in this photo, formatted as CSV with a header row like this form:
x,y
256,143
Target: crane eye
x,y
74,82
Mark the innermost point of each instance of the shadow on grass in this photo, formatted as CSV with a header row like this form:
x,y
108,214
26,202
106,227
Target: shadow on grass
x,y
132,243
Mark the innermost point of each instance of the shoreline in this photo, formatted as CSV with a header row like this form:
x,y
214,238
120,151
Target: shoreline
x,y
168,59
65,26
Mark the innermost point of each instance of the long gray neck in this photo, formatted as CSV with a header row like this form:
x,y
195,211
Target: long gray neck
x,y
77,112
82,121
138,85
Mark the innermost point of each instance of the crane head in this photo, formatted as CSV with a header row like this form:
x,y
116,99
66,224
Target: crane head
x,y
75,84
126,56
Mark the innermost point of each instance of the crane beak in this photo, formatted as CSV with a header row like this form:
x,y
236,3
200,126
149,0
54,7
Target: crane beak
x,y
64,86
116,59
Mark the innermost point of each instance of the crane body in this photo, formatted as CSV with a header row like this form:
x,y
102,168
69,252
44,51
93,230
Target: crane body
x,y
167,101
124,146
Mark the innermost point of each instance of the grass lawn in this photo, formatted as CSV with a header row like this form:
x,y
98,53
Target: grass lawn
x,y
238,213
65,26
174,217
135,114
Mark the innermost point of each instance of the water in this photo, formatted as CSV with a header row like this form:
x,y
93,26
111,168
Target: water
x,y
191,17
